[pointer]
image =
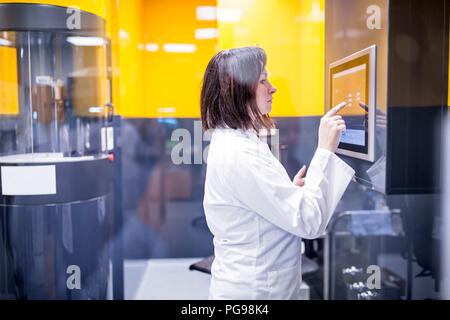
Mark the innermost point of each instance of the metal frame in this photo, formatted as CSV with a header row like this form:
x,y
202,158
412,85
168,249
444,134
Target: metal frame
x,y
445,235
43,17
372,52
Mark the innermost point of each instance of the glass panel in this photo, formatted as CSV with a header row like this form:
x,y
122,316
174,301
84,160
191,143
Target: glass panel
x,y
364,256
56,251
55,99
55,107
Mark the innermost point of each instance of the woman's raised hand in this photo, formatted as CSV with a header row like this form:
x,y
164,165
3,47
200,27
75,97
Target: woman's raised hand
x,y
330,129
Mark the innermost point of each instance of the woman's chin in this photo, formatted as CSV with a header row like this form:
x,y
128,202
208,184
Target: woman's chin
x,y
265,111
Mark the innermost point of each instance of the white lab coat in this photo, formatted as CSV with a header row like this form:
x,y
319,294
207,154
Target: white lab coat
x,y
258,216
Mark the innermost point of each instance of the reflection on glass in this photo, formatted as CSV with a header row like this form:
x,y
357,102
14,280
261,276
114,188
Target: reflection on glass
x,y
54,96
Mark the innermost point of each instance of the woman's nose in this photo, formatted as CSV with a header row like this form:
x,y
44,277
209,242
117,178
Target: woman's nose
x,y
273,90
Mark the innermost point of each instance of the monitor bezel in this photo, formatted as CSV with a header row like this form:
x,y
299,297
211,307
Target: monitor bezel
x,y
364,153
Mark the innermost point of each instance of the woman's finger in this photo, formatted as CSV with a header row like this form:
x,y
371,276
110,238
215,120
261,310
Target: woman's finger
x,y
335,110
302,172
335,118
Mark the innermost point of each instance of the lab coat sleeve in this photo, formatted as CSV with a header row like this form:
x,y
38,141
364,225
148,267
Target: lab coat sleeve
x,y
263,186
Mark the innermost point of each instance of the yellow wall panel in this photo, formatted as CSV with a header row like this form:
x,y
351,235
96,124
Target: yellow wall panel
x,y
130,59
9,87
292,33
157,83
152,81
97,7
173,79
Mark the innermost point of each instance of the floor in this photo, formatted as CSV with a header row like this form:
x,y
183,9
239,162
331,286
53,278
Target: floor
x,y
170,279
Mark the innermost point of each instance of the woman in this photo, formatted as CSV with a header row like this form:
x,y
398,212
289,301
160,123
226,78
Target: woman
x,y
255,212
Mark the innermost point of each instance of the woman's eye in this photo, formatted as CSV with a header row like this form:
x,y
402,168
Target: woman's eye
x,y
263,81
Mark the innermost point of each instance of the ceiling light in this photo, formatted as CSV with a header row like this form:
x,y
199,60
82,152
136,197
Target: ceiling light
x,y
86,41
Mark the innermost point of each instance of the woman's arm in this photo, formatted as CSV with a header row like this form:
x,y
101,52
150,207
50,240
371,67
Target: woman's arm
x,y
260,185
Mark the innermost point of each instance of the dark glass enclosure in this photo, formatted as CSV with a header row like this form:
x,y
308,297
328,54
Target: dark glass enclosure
x,y
56,142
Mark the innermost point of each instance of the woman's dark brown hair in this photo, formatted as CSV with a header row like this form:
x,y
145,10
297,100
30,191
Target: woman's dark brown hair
x,y
228,95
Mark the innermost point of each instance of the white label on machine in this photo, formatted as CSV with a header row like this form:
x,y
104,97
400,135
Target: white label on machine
x,y
28,180
110,140
107,138
103,139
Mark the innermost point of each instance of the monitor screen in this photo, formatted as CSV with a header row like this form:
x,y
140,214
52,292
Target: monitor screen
x,y
352,80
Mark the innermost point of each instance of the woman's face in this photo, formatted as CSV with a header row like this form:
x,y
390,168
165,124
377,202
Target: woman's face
x,y
264,93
